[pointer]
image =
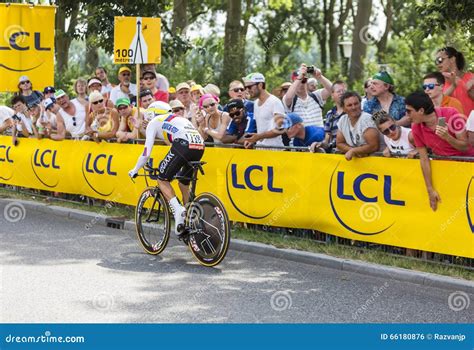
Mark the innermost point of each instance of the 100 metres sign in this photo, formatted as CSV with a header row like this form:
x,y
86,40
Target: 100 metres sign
x,y
137,40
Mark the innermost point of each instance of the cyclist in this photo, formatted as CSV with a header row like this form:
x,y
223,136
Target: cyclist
x,y
186,145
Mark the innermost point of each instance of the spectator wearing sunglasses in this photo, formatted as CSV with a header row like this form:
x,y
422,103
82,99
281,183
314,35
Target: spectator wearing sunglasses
x,y
399,140
433,86
177,108
149,82
210,122
458,84
384,98
48,92
125,88
72,112
443,136
25,89
357,134
242,122
237,91
105,121
94,84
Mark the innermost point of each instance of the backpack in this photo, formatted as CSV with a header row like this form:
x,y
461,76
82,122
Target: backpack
x,y
314,97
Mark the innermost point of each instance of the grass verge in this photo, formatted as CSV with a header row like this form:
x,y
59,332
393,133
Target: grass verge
x,y
279,240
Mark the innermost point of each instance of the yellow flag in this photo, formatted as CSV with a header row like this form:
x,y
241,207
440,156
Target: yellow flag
x,y
137,40
26,45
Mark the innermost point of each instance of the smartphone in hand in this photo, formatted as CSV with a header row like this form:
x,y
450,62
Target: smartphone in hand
x,y
442,121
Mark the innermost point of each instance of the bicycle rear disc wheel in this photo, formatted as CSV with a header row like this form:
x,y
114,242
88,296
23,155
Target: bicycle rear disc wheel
x,y
210,229
152,220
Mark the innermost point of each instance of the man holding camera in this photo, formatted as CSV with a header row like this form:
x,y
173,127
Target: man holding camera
x,y
308,105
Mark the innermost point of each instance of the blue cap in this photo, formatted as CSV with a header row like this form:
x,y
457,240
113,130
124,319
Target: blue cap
x,y
294,118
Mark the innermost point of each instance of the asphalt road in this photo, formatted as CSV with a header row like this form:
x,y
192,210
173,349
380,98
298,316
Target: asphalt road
x,y
54,270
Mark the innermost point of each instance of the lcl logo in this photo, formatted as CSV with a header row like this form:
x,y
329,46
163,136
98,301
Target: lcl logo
x,y
96,169
46,159
13,42
5,154
240,179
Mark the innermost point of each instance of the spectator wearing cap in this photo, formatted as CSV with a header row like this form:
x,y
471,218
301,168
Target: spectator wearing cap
x,y
25,89
183,93
429,133
94,84
213,90
80,88
357,134
210,122
130,121
196,92
242,123
172,93
162,82
101,73
177,108
105,121
399,139
149,82
23,124
125,88
265,106
433,86
6,121
52,125
303,136
332,118
146,98
283,89
384,98
48,92
308,105
72,112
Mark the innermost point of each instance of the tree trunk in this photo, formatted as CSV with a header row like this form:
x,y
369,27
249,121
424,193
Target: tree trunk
x,y
64,37
180,17
92,54
360,40
382,44
336,31
232,43
323,37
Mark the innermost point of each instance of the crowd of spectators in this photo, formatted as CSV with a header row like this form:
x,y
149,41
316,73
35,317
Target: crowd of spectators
x,y
438,119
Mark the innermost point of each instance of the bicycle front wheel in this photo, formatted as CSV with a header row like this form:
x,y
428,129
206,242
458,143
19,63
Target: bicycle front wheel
x,y
152,220
210,229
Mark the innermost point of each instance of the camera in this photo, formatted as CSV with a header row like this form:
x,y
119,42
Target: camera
x,y
310,69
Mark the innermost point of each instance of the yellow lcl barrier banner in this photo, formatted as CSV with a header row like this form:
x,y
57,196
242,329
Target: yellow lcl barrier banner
x,y
373,199
26,45
137,40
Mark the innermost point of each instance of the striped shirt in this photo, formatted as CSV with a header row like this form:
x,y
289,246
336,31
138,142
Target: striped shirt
x,y
309,109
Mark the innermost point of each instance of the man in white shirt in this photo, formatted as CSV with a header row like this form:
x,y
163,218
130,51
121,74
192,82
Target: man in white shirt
x,y
70,115
6,121
265,106
125,88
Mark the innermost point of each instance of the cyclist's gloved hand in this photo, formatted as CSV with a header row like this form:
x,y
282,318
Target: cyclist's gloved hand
x,y
132,174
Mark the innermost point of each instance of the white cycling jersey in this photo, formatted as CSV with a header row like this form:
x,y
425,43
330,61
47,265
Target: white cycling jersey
x,y
168,127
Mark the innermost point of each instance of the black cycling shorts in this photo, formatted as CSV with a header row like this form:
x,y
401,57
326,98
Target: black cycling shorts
x,y
176,161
